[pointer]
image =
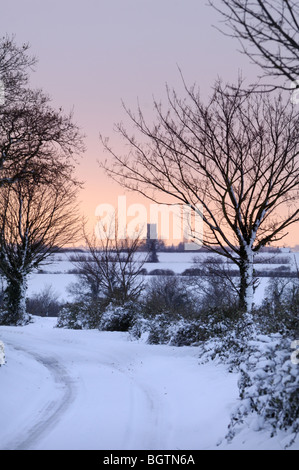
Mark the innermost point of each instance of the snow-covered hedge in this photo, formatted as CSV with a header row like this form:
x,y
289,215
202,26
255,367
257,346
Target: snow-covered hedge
x,y
269,377
118,317
80,315
96,314
164,329
183,333
269,387
227,341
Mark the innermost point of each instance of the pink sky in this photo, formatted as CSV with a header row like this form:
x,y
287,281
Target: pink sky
x,y
94,53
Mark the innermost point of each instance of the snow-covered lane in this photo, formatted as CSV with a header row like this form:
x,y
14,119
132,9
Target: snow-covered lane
x,y
48,411
66,389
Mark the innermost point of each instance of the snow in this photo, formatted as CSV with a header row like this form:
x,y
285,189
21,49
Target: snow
x,y
93,390
99,390
57,273
90,390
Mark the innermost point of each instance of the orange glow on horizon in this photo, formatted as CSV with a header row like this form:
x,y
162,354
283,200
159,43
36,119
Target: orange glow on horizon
x,y
100,190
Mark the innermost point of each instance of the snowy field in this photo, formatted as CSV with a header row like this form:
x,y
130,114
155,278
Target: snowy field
x,y
57,273
92,390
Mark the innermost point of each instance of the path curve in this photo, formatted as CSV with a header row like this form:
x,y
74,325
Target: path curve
x,y
50,414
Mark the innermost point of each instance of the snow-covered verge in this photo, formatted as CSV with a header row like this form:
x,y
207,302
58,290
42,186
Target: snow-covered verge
x,y
269,387
86,389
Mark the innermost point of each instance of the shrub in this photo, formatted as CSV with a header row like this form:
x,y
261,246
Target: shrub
x,y
269,381
80,315
188,333
227,333
175,332
279,310
118,317
269,388
217,286
168,295
161,272
44,304
159,330
193,272
209,260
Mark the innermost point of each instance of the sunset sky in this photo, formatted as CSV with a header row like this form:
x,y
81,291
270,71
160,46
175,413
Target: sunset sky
x,y
93,54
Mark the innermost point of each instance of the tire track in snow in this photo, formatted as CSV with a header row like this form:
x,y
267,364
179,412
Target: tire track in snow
x,y
146,417
53,410
149,423
51,413
153,421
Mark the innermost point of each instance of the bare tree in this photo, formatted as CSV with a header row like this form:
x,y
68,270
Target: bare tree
x,y
37,142
15,65
237,156
113,267
268,31
217,282
35,220
38,150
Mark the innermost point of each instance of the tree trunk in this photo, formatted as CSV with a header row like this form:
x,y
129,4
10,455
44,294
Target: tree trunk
x,y
15,302
246,280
